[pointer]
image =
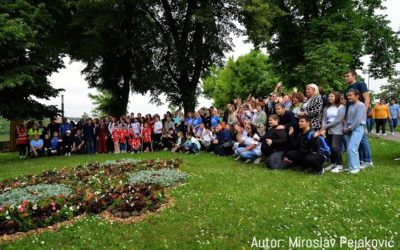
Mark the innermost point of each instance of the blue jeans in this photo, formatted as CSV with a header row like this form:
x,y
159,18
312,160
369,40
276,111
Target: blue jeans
x,y
192,148
370,124
90,147
251,154
122,146
355,138
393,124
365,148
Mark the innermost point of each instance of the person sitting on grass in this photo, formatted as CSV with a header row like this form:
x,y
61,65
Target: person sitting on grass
x,y
67,142
37,146
179,142
203,135
192,145
252,146
55,145
169,139
306,153
273,143
78,145
217,144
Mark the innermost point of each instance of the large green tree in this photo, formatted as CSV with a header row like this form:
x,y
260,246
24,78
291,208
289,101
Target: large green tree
x,y
193,36
392,88
115,39
28,55
250,74
317,40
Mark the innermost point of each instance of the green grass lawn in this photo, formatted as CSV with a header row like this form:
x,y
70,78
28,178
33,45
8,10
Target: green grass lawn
x,y
225,203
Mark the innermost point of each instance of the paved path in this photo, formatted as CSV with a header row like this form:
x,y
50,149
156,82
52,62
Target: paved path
x,y
395,137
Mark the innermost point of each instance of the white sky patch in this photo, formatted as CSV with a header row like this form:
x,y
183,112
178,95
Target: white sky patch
x,y
76,100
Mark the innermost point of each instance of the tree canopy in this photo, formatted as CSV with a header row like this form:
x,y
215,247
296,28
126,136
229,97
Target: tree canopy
x,y
28,55
317,40
250,74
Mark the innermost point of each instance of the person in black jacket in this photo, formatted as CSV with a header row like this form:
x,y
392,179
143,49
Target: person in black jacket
x,y
287,118
306,155
67,141
274,139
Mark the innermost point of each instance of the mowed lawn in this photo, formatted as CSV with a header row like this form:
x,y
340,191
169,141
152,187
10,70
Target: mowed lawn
x,y
225,203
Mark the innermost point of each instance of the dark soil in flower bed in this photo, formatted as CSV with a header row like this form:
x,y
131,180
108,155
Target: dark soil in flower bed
x,y
37,201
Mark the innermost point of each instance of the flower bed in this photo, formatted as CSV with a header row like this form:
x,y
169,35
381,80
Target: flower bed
x,y
35,201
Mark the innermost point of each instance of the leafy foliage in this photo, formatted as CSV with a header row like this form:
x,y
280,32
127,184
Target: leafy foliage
x,y
163,177
33,193
28,55
392,89
249,74
316,41
41,200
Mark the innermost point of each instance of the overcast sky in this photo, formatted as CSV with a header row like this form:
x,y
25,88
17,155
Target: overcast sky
x,y
76,100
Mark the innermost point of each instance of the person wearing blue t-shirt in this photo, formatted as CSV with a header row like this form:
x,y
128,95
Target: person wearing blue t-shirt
x,y
394,110
189,120
196,121
36,146
214,119
65,125
361,87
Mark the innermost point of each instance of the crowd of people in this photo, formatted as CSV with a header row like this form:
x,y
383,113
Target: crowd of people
x,y
282,130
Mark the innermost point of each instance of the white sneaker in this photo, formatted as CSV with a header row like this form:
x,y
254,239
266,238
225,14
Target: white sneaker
x,y
354,171
384,134
258,160
377,134
392,133
330,167
248,161
337,169
366,165
237,158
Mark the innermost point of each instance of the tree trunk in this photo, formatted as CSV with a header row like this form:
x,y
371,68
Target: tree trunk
x,y
13,131
189,98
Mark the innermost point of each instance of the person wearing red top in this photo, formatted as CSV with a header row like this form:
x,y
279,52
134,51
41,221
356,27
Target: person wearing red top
x,y
101,137
134,141
146,135
22,140
115,135
124,133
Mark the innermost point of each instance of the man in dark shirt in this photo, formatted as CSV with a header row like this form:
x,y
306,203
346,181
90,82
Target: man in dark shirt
x,y
351,80
306,153
79,143
53,127
287,118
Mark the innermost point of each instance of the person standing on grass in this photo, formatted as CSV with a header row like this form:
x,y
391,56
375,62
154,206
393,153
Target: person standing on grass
x,y
351,80
116,133
394,114
306,148
101,134
88,134
157,132
381,114
22,140
313,106
332,127
354,128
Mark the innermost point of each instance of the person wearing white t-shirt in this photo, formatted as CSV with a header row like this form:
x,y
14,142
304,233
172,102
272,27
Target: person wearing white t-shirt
x,y
157,132
252,149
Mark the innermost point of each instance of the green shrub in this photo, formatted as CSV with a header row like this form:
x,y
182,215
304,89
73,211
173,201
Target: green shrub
x,y
33,193
162,177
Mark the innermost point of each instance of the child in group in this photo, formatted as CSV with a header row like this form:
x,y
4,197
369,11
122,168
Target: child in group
x,y
55,145
123,135
116,137
135,126
134,140
22,140
146,135
192,145
179,142
67,141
